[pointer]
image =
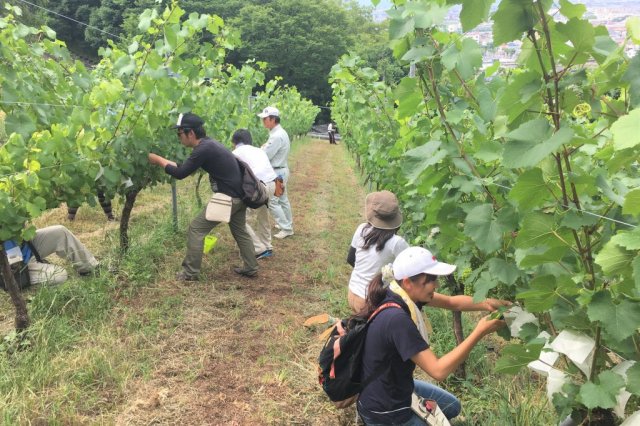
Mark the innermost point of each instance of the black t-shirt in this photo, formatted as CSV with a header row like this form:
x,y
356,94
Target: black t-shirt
x,y
215,159
392,339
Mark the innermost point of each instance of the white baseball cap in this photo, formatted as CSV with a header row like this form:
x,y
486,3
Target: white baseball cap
x,y
418,260
269,111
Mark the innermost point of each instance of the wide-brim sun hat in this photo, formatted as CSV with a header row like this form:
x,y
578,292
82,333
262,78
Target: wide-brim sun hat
x,y
382,210
417,260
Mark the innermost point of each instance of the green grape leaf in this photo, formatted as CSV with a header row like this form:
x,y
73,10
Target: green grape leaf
x,y
580,32
632,203
514,357
505,272
425,156
629,240
482,226
525,148
625,131
512,19
539,256
633,379
539,229
602,394
632,77
482,285
408,97
542,294
530,190
619,321
633,28
614,259
398,28
636,272
474,12
418,54
572,10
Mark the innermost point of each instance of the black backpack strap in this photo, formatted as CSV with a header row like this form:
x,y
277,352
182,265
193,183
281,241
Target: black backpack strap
x,y
34,251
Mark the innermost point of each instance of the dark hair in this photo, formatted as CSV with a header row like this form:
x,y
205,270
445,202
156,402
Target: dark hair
x,y
276,117
199,131
376,292
242,136
376,236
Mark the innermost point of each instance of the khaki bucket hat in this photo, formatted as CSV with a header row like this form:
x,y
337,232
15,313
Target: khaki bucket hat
x,y
382,211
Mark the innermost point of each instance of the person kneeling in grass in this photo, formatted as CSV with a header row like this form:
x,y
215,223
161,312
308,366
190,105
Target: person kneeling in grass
x,y
397,340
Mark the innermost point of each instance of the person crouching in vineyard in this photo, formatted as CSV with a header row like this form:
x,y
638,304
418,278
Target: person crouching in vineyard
x,y
225,178
397,340
374,244
52,239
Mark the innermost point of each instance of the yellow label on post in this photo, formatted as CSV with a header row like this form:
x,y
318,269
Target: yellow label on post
x,y
209,243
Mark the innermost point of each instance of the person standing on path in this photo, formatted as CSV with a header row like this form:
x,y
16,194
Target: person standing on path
x,y
277,148
259,163
225,177
331,130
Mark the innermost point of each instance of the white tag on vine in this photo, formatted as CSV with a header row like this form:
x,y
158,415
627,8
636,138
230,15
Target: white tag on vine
x,y
623,395
578,347
547,358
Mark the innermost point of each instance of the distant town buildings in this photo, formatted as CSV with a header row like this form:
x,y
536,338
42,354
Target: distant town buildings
x,y
611,14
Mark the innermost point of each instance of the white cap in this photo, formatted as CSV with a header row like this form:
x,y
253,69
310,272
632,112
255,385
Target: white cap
x,y
417,260
269,111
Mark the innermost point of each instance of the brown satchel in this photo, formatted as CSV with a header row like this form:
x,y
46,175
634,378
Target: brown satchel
x,y
279,186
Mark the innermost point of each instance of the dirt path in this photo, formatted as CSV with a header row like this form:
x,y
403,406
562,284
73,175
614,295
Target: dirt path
x,y
239,354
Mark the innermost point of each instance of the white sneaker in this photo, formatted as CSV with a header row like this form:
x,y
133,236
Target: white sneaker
x,y
283,234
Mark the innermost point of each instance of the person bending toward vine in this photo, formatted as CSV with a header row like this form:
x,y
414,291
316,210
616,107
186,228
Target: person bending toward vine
x,y
397,340
225,177
374,244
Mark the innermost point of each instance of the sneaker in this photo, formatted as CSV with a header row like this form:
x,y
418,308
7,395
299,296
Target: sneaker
x,y
283,234
182,276
266,253
245,272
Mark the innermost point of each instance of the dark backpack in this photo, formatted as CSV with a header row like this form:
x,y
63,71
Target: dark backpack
x,y
340,360
254,191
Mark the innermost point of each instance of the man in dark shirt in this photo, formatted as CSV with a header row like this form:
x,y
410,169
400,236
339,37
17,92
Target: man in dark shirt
x,y
225,177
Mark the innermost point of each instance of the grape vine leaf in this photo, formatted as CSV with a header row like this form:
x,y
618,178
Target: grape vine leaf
x,y
530,190
625,131
474,12
525,148
632,76
614,259
633,379
603,393
619,321
629,240
483,227
514,357
539,229
542,294
633,28
512,18
632,203
571,10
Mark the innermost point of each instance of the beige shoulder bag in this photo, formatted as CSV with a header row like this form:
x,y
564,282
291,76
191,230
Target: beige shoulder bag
x,y
219,208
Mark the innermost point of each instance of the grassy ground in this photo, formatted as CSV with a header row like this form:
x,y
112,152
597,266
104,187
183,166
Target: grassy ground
x,y
136,347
